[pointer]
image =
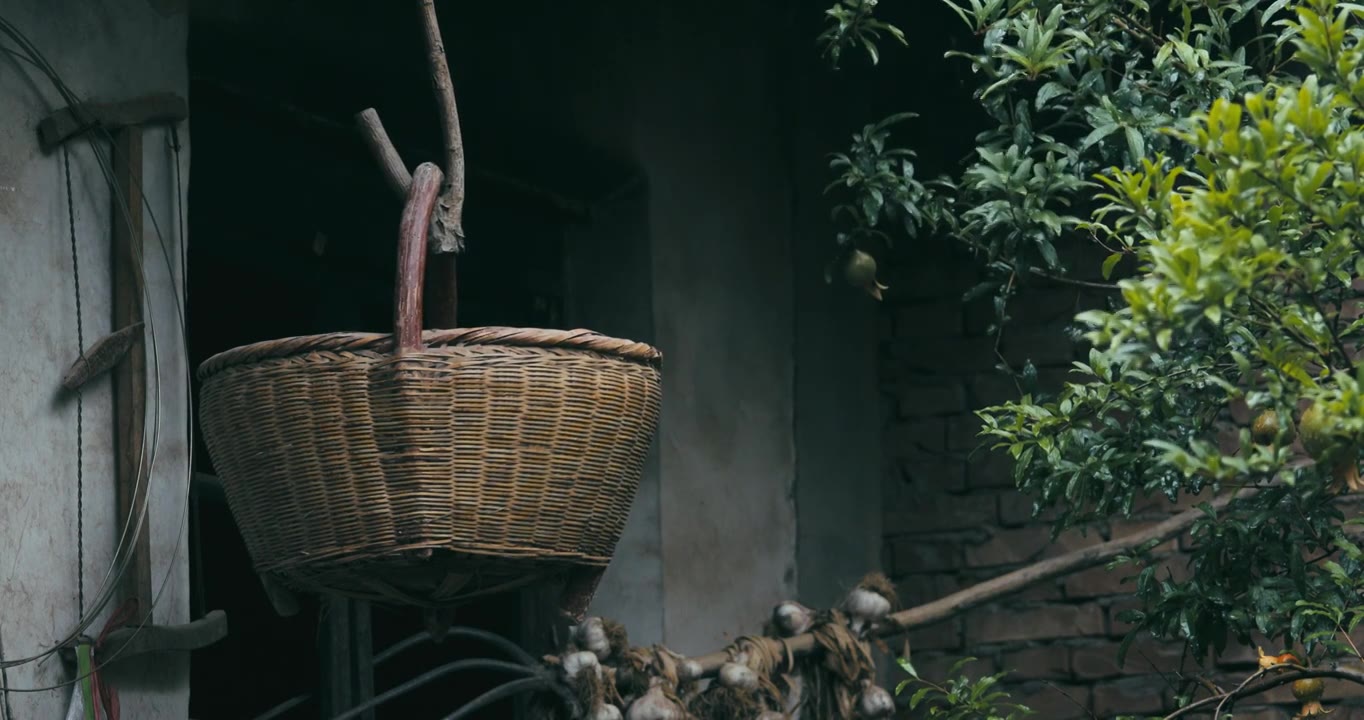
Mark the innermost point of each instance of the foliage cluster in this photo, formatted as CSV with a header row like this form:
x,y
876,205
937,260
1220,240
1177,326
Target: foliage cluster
x,y
1213,150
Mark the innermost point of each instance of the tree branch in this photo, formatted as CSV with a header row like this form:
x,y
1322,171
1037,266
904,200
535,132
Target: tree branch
x,y
451,209
1006,584
390,163
1106,287
1228,696
1298,673
974,246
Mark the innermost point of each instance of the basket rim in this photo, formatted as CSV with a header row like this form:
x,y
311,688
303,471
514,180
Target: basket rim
x,y
586,340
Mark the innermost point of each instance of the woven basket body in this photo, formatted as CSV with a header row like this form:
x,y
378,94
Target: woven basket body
x,y
488,456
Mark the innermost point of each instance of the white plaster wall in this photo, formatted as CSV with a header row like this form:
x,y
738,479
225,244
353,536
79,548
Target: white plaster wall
x,y
108,50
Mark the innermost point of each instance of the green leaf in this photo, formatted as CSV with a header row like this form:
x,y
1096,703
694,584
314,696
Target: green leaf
x,y
1335,569
1238,191
1125,646
959,664
1098,134
1111,262
908,667
1272,10
1049,92
1136,144
1048,254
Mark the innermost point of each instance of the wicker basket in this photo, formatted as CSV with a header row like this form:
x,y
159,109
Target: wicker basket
x,y
428,467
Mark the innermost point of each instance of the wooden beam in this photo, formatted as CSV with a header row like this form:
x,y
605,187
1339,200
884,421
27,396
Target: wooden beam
x,y
132,641
69,122
130,376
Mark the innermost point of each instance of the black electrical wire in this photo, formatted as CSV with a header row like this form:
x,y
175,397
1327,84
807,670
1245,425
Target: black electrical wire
x,y
80,395
412,641
530,675
497,694
279,710
493,639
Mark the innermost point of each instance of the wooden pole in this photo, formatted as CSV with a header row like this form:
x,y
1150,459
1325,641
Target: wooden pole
x,y
130,376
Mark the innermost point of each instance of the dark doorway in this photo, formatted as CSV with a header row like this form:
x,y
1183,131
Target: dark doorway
x,y
295,234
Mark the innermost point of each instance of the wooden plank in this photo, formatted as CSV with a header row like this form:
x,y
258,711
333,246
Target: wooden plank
x,y
129,377
69,122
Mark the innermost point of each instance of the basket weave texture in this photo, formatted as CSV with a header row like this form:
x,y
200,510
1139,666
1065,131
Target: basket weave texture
x,y
495,449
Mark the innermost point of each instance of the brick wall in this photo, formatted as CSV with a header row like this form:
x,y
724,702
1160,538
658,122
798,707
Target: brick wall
x,y
952,517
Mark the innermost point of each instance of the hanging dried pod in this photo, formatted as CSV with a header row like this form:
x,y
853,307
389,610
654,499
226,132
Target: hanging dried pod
x,y
655,705
875,702
605,712
578,662
738,676
591,636
870,602
790,619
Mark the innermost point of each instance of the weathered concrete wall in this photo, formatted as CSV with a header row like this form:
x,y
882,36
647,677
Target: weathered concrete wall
x,y
704,250
837,432
106,50
768,454
720,228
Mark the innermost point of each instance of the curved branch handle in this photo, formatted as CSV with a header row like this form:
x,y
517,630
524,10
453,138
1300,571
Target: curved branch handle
x,y
412,231
446,216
